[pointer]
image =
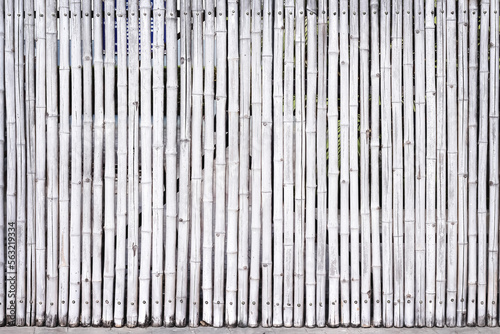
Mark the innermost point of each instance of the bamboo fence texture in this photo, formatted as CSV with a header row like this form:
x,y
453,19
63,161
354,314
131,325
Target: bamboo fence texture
x,y
249,163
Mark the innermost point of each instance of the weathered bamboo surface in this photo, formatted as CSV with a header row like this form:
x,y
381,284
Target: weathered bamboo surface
x,y
249,163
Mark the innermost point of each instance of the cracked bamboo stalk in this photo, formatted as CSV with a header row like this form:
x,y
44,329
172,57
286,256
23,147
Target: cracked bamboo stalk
x,y
3,167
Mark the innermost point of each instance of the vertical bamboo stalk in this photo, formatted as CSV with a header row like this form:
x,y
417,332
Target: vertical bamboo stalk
x,y
267,164
409,166
157,152
109,166
244,163
386,121
322,157
463,106
420,170
220,164
374,164
171,161
492,311
196,192
97,193
133,164
364,146
146,200
2,165
430,167
184,166
345,318
473,171
482,165
86,249
208,174
441,162
288,180
333,166
310,164
256,152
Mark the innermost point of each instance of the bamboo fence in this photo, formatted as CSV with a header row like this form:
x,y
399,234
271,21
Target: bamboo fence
x,y
249,163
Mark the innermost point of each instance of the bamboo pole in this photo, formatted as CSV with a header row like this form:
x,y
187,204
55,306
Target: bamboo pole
x,y
256,152
441,163
463,115
133,165
208,174
300,57
145,183
97,193
345,318
245,97
109,166
2,165
171,162
220,168
310,164
157,152
482,166
333,167
418,301
492,310
86,249
267,164
322,171
364,145
473,171
430,167
288,167
409,165
184,166
387,208
196,160
374,164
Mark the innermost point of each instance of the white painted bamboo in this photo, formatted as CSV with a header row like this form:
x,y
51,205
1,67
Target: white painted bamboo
x,y
409,166
321,270
288,167
345,318
493,171
171,162
364,164
121,154
184,166
2,165
387,209
333,167
418,301
86,243
463,115
21,164
158,90
109,166
145,183
353,160
208,173
97,193
133,165
220,165
441,162
196,160
256,152
278,162
472,171
300,161
310,164
482,165
376,296
233,165
267,164
245,98
430,167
